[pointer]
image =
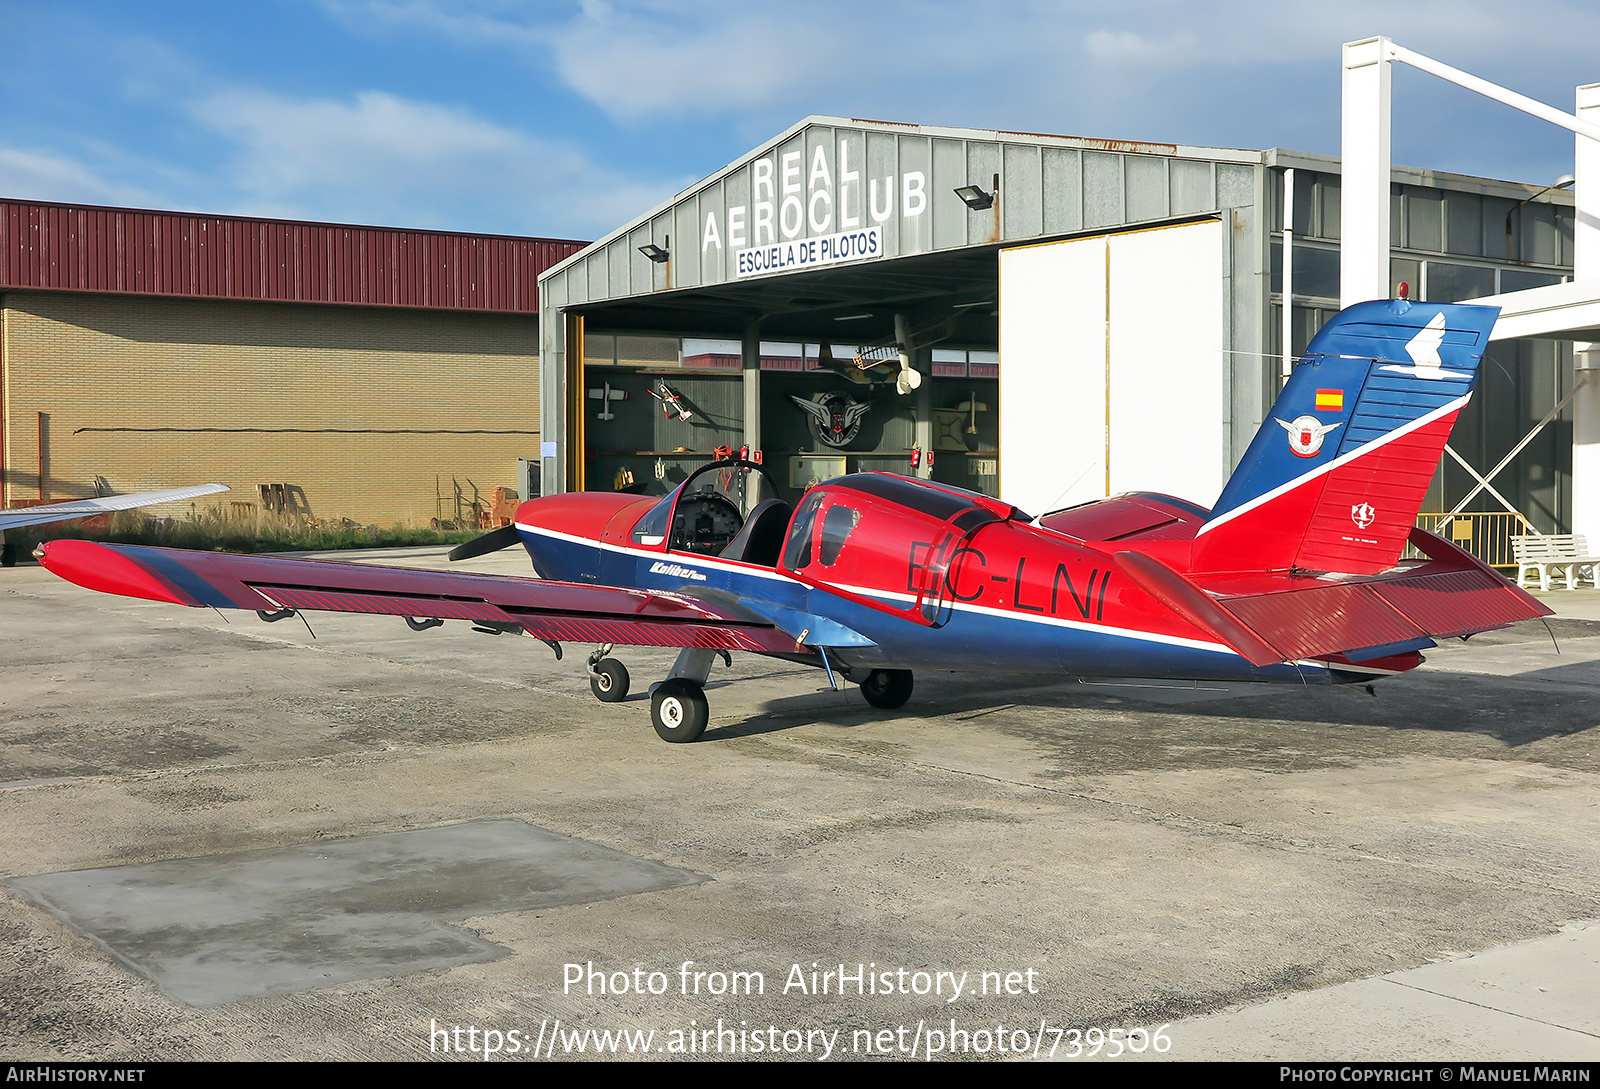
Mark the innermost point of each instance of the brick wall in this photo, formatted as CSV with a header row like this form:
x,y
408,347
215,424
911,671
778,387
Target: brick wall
x,y
118,361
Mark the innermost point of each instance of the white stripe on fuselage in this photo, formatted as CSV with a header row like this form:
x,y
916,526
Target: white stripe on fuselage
x,y
1342,459
689,560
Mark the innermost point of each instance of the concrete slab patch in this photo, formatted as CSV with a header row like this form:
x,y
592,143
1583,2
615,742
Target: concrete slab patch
x,y
220,928
1551,980
1527,1002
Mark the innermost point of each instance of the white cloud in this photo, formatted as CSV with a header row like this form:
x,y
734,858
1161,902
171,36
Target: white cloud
x,y
647,58
51,176
1128,47
639,59
379,157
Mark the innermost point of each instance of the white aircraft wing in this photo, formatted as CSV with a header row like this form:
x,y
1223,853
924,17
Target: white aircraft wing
x,y
83,508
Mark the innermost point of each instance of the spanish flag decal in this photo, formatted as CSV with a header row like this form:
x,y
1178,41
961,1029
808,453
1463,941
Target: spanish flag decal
x,y
1330,400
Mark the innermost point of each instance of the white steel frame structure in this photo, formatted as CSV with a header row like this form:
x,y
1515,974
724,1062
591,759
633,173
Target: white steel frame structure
x,y
1573,308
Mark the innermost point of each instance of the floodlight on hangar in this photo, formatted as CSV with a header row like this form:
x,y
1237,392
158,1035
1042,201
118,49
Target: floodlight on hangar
x,y
654,252
975,198
1563,182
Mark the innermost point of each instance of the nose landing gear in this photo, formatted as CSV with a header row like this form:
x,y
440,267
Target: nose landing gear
x,y
608,678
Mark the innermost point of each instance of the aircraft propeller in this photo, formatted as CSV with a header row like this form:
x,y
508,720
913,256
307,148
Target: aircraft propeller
x,y
493,541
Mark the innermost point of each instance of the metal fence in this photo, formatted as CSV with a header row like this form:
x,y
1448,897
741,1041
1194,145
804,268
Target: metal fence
x,y
1485,534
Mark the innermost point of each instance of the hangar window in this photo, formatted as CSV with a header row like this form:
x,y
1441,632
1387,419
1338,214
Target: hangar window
x,y
1451,283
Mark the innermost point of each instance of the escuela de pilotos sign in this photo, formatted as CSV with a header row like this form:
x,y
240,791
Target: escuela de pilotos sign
x,y
840,222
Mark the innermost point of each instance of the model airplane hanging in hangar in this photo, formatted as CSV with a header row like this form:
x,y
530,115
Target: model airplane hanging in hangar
x,y
85,508
1294,576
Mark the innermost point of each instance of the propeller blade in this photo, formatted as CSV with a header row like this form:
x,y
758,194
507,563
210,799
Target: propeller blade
x,y
909,377
493,541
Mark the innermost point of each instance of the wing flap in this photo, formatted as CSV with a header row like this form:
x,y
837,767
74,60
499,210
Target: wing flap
x,y
388,605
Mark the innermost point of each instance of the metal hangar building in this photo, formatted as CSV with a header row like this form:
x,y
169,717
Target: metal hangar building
x,y
1089,316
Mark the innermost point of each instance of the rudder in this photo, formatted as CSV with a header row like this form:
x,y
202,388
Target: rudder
x,y
1335,477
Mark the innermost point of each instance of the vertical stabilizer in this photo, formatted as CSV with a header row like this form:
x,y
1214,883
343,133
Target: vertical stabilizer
x,y
1335,477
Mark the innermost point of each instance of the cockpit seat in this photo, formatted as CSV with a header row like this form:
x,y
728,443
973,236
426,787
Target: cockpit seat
x,y
761,539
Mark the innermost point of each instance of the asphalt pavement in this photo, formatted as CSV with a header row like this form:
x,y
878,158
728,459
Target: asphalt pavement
x,y
221,838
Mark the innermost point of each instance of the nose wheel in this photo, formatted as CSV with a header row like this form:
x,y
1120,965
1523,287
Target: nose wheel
x,y
608,680
679,711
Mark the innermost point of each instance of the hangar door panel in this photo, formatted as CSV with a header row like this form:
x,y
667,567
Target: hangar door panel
x,y
1052,373
1113,375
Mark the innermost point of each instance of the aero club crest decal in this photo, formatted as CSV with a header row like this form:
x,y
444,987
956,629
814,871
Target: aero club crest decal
x,y
1305,434
835,418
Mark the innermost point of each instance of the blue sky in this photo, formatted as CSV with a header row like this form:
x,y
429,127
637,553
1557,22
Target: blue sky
x,y
565,119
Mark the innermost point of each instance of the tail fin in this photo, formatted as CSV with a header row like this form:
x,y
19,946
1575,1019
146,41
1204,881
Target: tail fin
x,y
1335,477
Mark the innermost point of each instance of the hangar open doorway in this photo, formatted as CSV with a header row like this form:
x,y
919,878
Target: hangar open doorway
x,y
734,315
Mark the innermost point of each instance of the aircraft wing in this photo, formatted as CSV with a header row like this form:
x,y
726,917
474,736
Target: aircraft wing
x,y
559,611
83,508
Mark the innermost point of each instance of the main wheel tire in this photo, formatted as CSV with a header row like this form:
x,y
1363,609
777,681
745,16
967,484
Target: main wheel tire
x,y
887,688
609,681
679,711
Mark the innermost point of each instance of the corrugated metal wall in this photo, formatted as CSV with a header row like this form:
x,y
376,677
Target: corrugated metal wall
x,y
72,248
1048,187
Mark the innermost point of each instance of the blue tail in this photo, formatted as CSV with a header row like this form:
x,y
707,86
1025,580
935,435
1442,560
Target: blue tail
x,y
1335,477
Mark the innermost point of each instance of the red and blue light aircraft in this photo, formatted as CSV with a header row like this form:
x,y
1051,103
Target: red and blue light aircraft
x,y
1295,575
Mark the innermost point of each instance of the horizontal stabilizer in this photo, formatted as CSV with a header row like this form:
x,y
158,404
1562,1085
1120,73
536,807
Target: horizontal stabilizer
x,y
1194,605
1285,618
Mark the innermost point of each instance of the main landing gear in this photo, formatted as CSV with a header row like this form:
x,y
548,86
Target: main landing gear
x,y
887,688
678,710
678,707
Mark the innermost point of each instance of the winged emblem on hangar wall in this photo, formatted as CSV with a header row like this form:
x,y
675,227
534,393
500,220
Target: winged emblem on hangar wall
x,y
835,418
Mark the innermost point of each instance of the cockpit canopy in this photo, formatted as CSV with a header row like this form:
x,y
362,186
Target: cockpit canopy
x,y
879,522
704,516
698,517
